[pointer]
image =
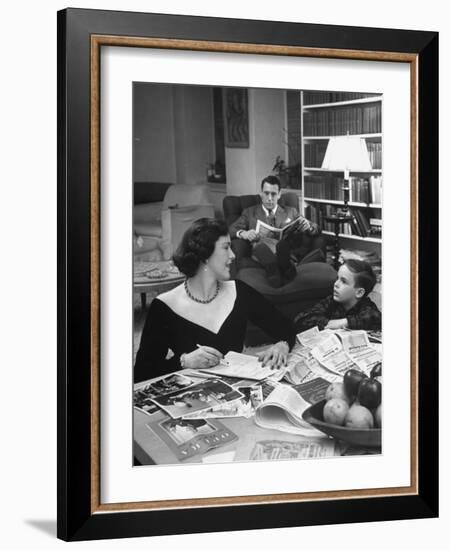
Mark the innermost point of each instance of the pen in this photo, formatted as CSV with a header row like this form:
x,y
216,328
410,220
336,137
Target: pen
x,y
221,362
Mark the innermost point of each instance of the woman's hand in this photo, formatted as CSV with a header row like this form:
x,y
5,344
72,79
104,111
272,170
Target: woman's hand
x,y
202,358
276,356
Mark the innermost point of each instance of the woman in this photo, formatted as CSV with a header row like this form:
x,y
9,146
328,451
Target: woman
x,y
207,315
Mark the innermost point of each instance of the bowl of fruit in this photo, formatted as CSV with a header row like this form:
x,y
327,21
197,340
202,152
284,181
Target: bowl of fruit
x,y
351,410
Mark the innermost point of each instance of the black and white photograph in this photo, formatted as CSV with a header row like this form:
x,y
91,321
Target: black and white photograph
x,y
257,243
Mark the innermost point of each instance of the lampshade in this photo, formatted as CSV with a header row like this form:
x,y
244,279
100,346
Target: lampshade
x,y
347,154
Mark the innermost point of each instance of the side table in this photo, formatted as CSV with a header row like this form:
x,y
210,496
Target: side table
x,y
165,276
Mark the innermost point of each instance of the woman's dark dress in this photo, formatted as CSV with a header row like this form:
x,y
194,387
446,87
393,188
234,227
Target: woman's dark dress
x,y
164,329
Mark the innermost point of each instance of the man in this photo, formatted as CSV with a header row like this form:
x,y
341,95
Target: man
x,y
272,254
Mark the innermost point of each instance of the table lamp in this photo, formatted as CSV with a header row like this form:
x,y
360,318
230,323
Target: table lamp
x,y
347,154
344,154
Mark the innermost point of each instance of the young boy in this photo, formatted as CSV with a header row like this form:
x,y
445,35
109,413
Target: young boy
x,y
349,305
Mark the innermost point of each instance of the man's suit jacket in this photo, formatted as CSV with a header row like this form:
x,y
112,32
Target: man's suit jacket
x,y
251,215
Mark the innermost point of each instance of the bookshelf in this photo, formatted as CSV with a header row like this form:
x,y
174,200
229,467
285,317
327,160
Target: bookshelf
x,y
325,115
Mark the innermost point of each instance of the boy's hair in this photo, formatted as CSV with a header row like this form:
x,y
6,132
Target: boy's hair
x,y
364,276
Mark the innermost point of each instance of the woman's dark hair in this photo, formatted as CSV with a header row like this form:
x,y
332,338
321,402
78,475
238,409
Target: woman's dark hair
x,y
198,243
364,276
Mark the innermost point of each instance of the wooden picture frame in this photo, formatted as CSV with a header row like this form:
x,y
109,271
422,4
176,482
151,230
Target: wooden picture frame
x,y
81,35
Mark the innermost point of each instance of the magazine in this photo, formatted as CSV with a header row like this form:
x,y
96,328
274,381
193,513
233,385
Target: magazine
x,y
265,230
144,393
205,395
282,410
245,406
187,438
313,390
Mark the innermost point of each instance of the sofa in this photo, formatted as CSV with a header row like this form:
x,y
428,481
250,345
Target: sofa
x,y
161,214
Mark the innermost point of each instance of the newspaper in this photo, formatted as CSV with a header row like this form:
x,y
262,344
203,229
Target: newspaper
x,y
302,366
331,355
269,231
313,336
240,365
357,347
297,370
282,410
279,450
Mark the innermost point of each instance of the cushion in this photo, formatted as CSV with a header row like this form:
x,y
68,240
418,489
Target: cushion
x,y
186,195
149,212
149,191
148,229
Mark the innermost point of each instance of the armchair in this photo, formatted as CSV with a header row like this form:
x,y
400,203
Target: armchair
x,y
314,279
158,228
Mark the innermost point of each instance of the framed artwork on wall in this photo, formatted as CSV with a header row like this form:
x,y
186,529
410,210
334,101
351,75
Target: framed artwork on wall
x,y
134,86
236,117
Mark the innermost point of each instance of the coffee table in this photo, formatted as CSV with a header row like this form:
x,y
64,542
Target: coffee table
x,y
154,277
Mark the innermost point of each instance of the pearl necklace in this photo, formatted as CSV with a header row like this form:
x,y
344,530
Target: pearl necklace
x,y
198,300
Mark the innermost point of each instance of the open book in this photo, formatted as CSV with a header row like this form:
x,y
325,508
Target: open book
x,y
282,410
265,230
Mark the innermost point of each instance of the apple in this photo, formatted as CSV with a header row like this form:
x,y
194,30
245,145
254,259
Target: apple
x,y
352,379
378,416
376,371
369,393
335,411
336,390
358,417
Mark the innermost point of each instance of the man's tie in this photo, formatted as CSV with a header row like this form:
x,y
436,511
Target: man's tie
x,y
271,217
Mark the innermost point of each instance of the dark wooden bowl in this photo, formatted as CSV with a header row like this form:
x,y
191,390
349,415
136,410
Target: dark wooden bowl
x,y
356,437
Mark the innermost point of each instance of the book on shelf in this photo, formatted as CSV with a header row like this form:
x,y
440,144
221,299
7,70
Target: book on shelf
x,y
360,225
324,186
376,227
329,187
375,189
315,153
354,119
374,149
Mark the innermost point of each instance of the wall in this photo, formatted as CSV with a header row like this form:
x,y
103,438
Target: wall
x,y
153,133
194,133
247,167
173,133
